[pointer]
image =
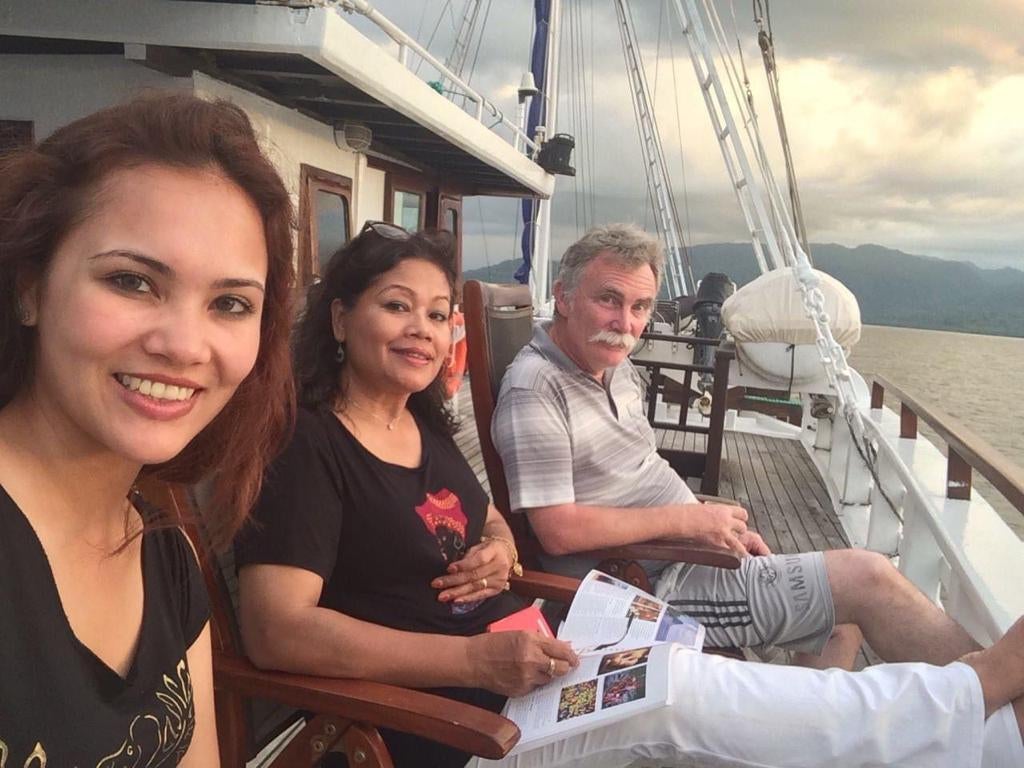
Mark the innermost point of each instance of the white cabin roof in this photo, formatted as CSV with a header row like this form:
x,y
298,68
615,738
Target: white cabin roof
x,y
309,59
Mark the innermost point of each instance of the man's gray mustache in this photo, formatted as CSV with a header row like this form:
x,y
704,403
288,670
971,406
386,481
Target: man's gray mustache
x,y
624,340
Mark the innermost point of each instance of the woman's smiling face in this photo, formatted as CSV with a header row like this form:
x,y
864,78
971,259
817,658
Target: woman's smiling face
x,y
398,333
148,315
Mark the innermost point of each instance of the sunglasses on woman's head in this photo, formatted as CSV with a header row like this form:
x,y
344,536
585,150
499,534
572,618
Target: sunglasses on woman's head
x,y
386,230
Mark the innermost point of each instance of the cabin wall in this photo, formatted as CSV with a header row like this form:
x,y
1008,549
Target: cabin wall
x,y
52,90
291,139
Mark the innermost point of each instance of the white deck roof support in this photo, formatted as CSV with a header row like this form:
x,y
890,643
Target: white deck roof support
x,y
319,34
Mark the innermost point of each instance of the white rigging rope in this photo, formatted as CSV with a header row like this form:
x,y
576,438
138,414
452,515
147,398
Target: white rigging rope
x,y
577,90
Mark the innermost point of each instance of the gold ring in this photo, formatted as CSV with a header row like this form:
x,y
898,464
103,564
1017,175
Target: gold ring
x,y
483,583
551,667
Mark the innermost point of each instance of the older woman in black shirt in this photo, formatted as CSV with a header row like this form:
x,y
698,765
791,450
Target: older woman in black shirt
x,y
375,552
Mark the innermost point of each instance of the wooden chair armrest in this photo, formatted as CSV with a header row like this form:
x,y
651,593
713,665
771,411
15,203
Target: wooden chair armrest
x,y
672,550
705,498
546,586
462,726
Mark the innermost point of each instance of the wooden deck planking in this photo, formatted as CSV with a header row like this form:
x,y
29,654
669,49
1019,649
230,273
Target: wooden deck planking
x,y
738,468
776,480
807,538
810,498
466,438
762,497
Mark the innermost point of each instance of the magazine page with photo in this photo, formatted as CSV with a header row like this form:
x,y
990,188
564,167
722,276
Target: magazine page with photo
x,y
625,639
605,687
609,614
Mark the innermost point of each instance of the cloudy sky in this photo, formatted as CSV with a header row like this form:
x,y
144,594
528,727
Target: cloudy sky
x,y
905,119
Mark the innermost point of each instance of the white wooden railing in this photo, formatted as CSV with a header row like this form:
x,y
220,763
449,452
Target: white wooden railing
x,y
899,494
482,106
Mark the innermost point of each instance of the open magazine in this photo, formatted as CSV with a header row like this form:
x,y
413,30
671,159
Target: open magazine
x,y
625,638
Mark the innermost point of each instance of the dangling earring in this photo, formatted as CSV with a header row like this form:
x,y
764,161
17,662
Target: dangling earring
x,y
339,356
24,316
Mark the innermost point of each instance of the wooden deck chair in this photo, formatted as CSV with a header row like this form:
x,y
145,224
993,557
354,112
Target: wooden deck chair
x,y
499,322
255,706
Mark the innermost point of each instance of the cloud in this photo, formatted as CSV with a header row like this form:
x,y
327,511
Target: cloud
x,y
903,120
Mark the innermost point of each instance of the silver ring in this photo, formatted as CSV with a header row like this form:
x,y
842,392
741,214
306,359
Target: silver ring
x,y
551,667
483,583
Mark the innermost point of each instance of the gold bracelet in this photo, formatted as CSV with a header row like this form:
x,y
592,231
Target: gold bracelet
x,y
516,569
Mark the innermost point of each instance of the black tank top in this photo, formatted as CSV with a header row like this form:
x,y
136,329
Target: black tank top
x,y
60,705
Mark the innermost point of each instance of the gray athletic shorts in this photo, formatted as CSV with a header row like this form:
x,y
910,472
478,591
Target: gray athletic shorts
x,y
776,600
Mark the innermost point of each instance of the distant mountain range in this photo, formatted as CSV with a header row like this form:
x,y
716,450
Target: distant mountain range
x,y
892,287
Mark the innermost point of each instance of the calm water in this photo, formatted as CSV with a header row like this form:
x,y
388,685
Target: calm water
x,y
978,380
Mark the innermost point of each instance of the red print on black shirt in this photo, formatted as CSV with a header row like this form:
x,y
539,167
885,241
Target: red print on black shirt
x,y
442,514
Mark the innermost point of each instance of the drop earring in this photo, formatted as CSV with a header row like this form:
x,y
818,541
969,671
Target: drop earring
x,y
339,356
24,316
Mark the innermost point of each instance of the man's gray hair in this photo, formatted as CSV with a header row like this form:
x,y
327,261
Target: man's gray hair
x,y
626,244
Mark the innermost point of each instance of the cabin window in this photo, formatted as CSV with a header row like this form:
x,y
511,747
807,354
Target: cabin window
x,y
451,221
450,218
325,211
407,209
332,225
15,134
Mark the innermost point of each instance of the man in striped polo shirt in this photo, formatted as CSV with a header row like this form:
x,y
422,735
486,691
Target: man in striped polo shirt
x,y
582,463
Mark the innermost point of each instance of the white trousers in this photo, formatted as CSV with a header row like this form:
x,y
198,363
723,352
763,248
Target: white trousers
x,y
732,713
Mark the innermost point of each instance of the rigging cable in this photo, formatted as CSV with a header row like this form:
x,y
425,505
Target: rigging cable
x,y
682,158
579,100
568,75
593,118
419,27
588,125
762,156
479,40
581,77
749,117
654,96
766,41
587,181
739,85
440,18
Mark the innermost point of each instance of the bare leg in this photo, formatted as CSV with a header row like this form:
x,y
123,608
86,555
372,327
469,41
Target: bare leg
x,y
1000,670
898,621
840,650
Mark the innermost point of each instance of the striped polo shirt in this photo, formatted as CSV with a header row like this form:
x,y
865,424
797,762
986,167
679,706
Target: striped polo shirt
x,y
565,437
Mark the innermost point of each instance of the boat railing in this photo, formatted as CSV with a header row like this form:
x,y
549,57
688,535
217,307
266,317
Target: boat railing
x,y
482,106
966,451
951,544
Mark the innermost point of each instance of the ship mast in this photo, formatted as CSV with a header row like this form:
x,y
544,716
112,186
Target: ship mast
x,y
540,282
536,238
679,270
